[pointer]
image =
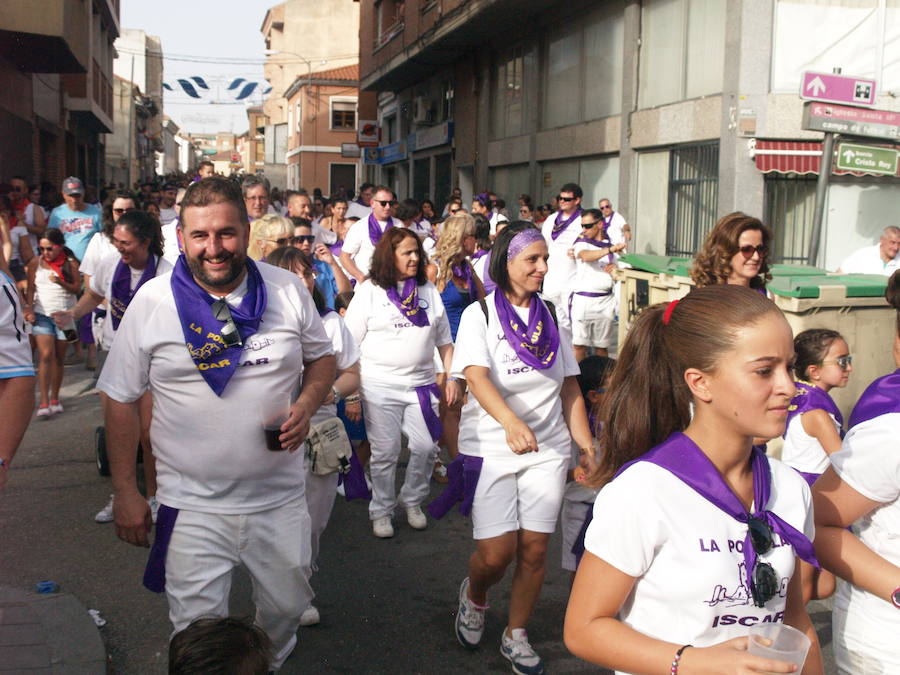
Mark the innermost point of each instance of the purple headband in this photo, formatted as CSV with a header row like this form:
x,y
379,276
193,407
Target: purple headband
x,y
521,241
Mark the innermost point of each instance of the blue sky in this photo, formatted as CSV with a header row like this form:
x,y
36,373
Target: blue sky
x,y
205,38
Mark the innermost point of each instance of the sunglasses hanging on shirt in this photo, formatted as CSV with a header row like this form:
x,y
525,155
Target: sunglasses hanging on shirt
x,y
231,337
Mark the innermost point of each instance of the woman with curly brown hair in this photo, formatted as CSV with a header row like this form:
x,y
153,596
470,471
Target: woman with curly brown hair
x,y
734,252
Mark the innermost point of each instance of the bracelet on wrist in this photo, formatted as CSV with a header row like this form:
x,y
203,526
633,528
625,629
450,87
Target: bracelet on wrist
x,y
336,395
677,658
353,398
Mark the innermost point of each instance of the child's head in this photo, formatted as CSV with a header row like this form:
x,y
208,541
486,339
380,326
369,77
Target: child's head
x,y
220,646
593,378
823,358
342,302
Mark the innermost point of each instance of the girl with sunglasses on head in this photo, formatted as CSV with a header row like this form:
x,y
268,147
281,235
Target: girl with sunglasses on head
x,y
53,280
696,533
735,252
815,424
861,487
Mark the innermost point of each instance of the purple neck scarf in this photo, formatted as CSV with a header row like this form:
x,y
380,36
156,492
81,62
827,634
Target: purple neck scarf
x,y
536,344
121,293
408,304
599,244
375,231
479,254
810,397
679,455
464,271
213,359
559,227
880,398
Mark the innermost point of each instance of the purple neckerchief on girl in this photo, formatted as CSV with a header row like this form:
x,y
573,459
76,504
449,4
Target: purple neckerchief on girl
x,y
424,394
880,398
479,254
611,257
537,343
462,479
336,247
464,271
375,231
810,397
408,303
121,293
679,455
559,227
155,571
202,330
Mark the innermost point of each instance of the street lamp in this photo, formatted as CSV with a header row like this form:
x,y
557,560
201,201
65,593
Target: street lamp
x,y
278,52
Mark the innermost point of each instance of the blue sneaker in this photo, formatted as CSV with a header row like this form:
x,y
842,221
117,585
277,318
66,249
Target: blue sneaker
x,y
520,654
469,619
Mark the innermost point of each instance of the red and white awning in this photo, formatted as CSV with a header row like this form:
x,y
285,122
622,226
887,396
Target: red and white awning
x,y
800,157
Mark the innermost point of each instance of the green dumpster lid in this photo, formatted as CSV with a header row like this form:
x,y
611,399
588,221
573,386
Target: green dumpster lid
x,y
857,285
657,264
795,270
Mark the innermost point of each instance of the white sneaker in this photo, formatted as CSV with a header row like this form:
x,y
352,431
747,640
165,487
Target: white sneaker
x,y
416,518
105,515
518,651
154,508
44,412
469,619
382,527
310,616
56,407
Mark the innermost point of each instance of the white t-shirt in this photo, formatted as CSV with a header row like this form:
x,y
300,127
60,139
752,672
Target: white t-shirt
x,y
395,351
496,218
615,229
346,353
589,276
802,451
16,235
560,267
532,394
322,235
166,216
869,462
99,250
868,261
358,244
101,284
686,554
170,242
210,451
357,210
421,228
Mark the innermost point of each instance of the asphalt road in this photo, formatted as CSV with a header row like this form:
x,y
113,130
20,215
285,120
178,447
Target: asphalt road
x,y
387,605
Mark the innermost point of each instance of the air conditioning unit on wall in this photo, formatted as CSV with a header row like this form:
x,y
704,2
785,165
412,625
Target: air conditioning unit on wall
x,y
424,110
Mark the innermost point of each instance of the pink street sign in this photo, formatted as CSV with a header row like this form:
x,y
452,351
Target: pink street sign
x,y
833,88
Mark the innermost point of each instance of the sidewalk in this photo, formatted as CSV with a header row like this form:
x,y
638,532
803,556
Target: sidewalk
x,y
50,633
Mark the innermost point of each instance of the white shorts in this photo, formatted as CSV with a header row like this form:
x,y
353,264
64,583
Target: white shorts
x,y
593,321
521,492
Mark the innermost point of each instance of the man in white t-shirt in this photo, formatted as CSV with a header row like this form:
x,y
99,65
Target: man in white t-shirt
x,y
214,369
362,237
614,225
561,229
882,258
167,199
361,207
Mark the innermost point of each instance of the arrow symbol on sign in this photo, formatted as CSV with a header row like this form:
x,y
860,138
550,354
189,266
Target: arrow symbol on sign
x,y
848,155
816,85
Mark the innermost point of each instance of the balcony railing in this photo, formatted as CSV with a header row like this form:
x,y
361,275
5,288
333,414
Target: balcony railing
x,y
389,33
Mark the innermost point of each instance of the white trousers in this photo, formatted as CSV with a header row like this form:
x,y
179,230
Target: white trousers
x,y
320,493
390,410
206,547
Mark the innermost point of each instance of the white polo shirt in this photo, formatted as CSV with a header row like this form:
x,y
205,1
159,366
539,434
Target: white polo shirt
x,y
560,267
868,261
358,244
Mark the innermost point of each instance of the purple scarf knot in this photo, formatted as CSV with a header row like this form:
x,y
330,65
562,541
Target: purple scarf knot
x,y
810,397
559,227
375,231
536,343
408,303
202,331
121,292
880,398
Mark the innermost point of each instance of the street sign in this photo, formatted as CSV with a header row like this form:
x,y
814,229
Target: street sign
x,y
840,119
867,158
833,88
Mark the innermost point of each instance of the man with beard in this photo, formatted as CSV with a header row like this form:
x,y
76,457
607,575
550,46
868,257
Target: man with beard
x,y
227,496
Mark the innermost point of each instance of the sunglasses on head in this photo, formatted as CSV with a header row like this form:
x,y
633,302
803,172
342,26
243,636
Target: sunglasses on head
x,y
843,362
282,241
748,251
765,583
303,238
229,333
385,202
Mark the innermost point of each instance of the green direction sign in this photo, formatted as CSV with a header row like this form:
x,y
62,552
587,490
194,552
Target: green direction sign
x,y
854,157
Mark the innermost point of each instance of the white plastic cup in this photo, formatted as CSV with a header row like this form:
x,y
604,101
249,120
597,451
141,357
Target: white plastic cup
x,y
779,642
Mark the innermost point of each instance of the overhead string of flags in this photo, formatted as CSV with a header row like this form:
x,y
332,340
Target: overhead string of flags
x,y
242,87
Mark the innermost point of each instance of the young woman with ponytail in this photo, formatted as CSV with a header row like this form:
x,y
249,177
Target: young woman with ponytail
x,y
696,533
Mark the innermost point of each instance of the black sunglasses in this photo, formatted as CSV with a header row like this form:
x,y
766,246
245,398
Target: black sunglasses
x,y
45,248
301,238
566,199
385,202
766,584
748,251
587,226
119,212
230,335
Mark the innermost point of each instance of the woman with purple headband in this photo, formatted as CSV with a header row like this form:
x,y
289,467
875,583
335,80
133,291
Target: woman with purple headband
x,y
862,488
516,433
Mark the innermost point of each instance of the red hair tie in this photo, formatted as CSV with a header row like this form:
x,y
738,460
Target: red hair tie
x,y
667,315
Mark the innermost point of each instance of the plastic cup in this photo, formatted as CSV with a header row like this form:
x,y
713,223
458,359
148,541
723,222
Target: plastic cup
x,y
779,642
274,410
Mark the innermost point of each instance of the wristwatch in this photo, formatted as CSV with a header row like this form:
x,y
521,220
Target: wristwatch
x,y
895,597
336,395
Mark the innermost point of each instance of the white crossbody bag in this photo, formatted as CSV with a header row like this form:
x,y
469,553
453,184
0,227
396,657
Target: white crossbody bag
x,y
328,447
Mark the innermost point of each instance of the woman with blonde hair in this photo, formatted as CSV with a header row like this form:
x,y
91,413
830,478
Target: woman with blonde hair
x,y
735,252
268,233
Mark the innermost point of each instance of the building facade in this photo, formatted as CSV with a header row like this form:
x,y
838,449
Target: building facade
x,y
322,116
673,109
